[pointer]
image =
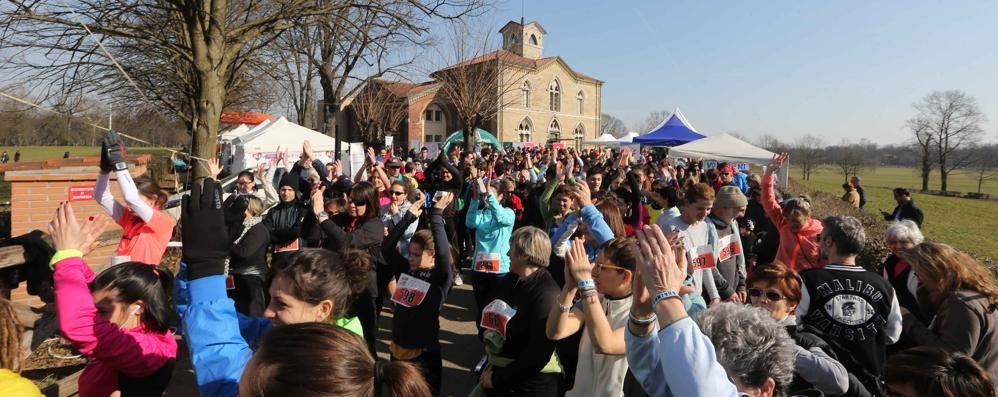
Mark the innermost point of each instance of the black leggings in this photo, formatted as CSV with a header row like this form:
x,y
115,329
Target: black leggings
x,y
365,307
486,286
249,295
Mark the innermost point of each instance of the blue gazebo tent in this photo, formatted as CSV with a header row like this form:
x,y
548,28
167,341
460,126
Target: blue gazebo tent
x,y
673,131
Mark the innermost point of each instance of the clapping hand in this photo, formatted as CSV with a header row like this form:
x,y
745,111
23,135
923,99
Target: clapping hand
x,y
777,162
577,262
660,269
67,233
318,203
582,195
307,152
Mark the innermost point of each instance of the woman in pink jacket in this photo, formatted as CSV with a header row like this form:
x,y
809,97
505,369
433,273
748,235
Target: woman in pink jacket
x,y
118,318
799,232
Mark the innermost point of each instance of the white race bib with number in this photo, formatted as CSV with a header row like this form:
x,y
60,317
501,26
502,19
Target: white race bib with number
x,y
488,263
496,315
410,291
729,247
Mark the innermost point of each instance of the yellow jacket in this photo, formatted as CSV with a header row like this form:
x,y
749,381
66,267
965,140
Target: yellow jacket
x,y
13,385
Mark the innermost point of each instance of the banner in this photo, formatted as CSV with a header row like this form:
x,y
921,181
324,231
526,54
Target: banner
x,y
356,157
432,148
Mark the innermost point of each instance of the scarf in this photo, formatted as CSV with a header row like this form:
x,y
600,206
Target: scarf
x,y
247,224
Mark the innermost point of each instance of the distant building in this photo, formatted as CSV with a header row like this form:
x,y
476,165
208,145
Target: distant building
x,y
553,102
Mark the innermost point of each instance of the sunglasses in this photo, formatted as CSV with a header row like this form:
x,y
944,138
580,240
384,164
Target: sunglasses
x,y
771,295
396,193
358,202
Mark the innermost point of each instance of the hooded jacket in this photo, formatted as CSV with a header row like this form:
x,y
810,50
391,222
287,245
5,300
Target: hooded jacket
x,y
798,250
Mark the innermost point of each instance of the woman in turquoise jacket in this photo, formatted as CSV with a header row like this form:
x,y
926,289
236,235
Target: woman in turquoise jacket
x,y
312,285
493,225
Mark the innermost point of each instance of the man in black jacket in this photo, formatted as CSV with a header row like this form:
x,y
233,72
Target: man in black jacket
x,y
905,209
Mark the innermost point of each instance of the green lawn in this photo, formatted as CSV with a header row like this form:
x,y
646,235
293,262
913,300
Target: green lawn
x,y
963,223
41,153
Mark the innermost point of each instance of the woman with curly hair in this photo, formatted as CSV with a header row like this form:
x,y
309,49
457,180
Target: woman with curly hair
x,y
965,295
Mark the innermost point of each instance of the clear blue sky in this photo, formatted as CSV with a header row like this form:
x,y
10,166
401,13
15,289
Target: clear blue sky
x,y
840,69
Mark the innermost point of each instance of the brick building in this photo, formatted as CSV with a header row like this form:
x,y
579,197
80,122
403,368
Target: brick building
x,y
552,102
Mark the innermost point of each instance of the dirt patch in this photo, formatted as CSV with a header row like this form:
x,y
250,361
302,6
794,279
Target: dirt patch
x,y
54,359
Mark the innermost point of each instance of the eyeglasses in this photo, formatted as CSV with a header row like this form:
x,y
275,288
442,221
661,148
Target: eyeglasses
x,y
397,193
771,295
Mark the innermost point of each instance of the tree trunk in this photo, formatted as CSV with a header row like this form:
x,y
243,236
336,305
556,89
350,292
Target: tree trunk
x,y
206,120
470,126
330,106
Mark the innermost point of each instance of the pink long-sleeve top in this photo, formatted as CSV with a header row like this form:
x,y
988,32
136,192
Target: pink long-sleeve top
x,y
798,250
136,352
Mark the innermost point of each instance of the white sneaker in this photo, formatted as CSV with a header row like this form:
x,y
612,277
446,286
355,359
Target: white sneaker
x,y
458,280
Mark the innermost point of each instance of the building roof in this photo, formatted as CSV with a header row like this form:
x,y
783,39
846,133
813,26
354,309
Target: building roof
x,y
511,57
405,89
539,27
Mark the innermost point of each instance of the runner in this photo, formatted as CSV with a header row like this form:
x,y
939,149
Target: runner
x,y
147,229
424,279
119,319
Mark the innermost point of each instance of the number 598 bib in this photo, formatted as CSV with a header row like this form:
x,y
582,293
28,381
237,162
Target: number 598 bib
x,y
410,291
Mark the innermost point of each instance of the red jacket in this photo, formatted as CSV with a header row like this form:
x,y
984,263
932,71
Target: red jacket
x,y
798,250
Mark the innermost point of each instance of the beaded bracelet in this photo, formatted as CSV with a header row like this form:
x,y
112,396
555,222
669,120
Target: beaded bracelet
x,y
587,284
662,296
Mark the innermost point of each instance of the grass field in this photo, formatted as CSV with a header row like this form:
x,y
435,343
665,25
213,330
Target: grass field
x,y
965,224
41,153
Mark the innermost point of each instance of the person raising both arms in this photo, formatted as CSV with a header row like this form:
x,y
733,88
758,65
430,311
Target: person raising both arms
x,y
799,232
119,319
147,228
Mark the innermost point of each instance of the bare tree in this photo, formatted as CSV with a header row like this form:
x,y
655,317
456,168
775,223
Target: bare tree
x,y
849,158
771,143
985,165
608,124
653,120
481,82
379,111
807,151
187,56
923,144
953,119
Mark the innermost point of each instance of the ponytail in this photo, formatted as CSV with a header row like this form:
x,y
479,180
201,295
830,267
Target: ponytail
x,y
136,281
319,359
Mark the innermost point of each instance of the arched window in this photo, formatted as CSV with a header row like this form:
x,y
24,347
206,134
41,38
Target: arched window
x,y
533,39
554,92
524,130
579,134
554,131
525,94
580,98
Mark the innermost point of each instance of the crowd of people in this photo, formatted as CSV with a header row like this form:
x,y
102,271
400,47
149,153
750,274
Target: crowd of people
x,y
595,272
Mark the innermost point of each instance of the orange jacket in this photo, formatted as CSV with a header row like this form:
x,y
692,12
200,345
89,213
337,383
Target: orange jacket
x,y
798,250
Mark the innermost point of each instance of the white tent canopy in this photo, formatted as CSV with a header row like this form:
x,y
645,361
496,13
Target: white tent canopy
x,y
235,132
723,147
604,139
628,138
262,142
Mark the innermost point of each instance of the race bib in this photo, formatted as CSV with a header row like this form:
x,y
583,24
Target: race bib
x,y
410,291
729,247
496,315
487,263
293,246
703,258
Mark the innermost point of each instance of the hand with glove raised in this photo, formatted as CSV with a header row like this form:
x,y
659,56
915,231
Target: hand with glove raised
x,y
113,152
202,222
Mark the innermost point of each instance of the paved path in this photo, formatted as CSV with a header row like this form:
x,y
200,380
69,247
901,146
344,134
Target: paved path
x,y
461,349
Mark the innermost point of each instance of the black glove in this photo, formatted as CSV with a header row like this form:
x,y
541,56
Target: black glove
x,y
106,165
202,225
115,150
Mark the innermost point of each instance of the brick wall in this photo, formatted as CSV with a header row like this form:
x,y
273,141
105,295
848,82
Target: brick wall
x,y
36,193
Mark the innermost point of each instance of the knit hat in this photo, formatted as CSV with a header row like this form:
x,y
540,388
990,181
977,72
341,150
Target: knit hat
x,y
730,197
290,180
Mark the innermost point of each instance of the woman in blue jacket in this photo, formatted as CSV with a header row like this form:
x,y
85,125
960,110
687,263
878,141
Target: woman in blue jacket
x,y
311,285
493,225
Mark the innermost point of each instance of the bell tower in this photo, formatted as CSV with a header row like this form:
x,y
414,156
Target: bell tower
x,y
526,40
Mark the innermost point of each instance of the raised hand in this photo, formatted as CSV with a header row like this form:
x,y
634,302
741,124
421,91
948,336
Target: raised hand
x,y
67,233
213,168
582,195
776,163
370,156
336,171
444,200
416,209
201,219
307,150
577,261
318,203
115,150
659,268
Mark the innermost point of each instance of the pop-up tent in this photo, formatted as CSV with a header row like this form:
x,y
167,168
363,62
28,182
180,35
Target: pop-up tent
x,y
727,148
673,131
232,133
603,140
263,143
628,138
481,137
